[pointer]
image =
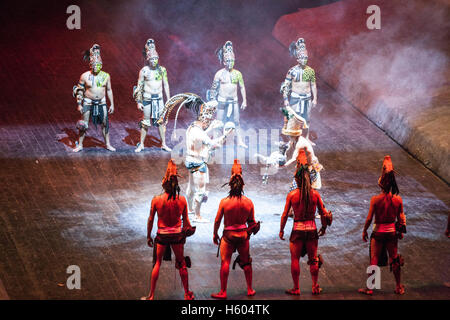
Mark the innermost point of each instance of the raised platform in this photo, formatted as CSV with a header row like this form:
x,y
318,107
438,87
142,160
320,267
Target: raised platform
x,y
398,76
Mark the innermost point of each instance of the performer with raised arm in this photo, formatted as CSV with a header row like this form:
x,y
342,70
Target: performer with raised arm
x,y
304,236
149,95
390,224
170,207
224,90
239,223
198,145
91,100
297,87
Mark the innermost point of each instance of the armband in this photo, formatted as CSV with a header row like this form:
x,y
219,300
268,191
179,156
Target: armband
x,y
78,92
212,93
138,92
286,88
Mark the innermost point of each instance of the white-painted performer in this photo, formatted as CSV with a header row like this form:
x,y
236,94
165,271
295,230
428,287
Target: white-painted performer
x,y
198,146
314,166
149,95
90,93
299,92
225,90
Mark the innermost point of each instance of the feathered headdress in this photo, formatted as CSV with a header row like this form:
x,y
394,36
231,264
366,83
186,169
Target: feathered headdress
x,y
387,179
225,52
298,48
203,110
302,162
150,50
170,171
93,54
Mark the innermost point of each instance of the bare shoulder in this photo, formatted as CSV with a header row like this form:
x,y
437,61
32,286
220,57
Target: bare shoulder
x,y
397,198
85,75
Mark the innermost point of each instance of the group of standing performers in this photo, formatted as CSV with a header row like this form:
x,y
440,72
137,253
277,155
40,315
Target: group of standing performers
x,y
221,113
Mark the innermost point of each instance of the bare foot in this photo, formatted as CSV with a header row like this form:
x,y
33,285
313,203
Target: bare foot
x,y
400,289
110,147
250,292
189,295
219,295
147,298
293,292
78,148
365,291
316,289
139,148
165,148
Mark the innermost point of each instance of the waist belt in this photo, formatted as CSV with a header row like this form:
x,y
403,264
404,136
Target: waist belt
x,y
229,102
235,227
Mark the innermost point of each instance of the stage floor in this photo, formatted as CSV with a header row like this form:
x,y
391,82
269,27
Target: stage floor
x,y
90,209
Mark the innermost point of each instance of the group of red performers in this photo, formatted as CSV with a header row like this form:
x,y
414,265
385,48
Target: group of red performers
x,y
238,214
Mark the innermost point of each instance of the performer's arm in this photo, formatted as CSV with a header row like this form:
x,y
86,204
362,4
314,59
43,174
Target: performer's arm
x,y
322,212
369,219
151,218
217,223
80,94
166,84
251,218
284,216
286,88
214,91
294,156
110,94
186,222
140,90
243,94
314,89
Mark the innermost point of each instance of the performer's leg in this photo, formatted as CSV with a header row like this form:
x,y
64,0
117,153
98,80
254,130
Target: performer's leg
x,y
162,134
244,253
375,251
296,249
220,112
106,134
155,272
396,268
82,131
240,141
313,261
226,250
144,127
200,192
190,190
178,250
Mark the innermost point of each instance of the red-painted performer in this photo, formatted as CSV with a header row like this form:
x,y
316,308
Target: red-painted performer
x,y
389,226
239,223
304,237
172,233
